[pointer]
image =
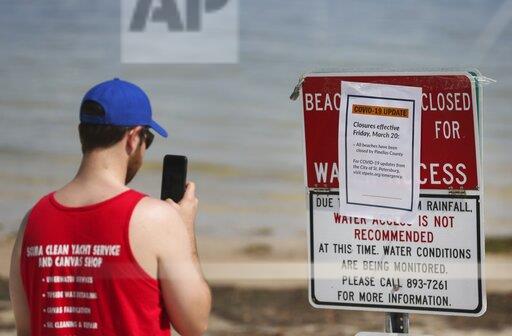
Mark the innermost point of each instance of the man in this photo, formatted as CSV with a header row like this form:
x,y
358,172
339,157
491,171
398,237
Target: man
x,y
98,258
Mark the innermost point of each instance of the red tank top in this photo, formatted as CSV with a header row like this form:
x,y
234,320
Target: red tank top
x,y
80,275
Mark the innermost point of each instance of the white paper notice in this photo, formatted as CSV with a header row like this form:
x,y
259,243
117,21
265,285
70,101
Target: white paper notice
x,y
379,150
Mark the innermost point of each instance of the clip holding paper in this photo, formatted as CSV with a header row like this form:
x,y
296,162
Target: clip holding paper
x,y
296,89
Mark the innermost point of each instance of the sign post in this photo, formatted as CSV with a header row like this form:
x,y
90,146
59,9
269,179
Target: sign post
x,y
397,323
431,263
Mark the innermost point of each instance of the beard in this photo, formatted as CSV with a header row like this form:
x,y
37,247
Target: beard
x,y
134,164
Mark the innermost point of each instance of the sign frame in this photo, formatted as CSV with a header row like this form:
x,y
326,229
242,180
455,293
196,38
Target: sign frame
x,y
447,193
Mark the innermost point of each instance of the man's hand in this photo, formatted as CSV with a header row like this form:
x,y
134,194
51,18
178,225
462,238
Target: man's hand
x,y
187,207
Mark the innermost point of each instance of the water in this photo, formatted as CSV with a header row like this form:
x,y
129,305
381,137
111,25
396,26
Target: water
x,y
235,122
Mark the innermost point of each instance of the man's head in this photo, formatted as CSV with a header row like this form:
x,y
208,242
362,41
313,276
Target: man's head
x,y
130,141
115,116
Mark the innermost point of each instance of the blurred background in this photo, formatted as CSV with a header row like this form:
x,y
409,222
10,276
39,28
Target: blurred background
x,y
242,134
235,122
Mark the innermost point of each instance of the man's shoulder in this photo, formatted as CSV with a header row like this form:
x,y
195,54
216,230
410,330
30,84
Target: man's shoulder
x,y
154,223
155,211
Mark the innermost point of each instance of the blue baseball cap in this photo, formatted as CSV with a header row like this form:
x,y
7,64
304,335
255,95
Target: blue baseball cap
x,y
123,104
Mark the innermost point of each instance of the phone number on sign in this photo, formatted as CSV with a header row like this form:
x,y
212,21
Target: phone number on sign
x,y
427,284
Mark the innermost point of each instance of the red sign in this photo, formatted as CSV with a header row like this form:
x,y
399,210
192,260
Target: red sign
x,y
448,148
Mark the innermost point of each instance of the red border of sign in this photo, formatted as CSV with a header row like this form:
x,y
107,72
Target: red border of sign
x,y
327,151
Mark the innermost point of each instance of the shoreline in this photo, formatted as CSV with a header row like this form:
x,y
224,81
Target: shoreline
x,y
272,262
259,286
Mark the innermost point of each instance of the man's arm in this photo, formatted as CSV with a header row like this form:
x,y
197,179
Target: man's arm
x,y
16,290
186,294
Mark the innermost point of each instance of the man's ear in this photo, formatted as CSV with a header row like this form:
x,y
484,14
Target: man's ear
x,y
133,139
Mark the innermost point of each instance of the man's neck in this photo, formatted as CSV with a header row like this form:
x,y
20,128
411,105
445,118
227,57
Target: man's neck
x,y
102,168
102,174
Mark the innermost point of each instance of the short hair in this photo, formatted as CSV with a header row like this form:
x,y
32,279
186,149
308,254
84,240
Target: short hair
x,y
94,136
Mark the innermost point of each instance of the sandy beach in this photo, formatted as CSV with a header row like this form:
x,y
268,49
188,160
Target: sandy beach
x,y
260,288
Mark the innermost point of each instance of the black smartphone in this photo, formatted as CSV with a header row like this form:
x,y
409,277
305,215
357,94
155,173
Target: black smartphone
x,y
174,177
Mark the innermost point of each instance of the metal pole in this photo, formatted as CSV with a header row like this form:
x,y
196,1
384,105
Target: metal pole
x,y
397,323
